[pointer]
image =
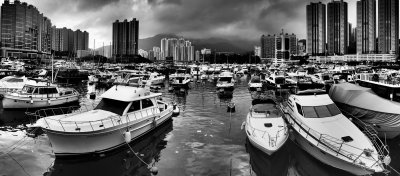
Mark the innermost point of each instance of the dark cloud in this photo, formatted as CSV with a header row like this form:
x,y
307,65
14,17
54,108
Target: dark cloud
x,y
93,4
246,19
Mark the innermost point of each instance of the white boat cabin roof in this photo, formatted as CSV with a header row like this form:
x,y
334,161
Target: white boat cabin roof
x,y
128,93
313,100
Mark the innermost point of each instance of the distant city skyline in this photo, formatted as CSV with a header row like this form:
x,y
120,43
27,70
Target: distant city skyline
x,y
159,16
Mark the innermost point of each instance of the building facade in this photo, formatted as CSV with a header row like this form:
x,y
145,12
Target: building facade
x,y
388,26
67,40
337,27
268,46
280,46
125,38
316,28
366,26
25,32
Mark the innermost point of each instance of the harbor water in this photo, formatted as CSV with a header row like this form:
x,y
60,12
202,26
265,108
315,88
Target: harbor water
x,y
204,139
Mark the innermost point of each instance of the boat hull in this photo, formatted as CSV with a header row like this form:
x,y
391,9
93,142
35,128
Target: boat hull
x,y
261,145
11,102
327,158
72,144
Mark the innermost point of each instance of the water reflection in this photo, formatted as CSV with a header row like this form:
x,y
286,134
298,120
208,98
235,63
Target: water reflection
x,y
120,161
263,164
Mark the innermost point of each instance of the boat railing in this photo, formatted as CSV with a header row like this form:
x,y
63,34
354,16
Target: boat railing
x,y
370,77
371,133
41,113
58,124
336,146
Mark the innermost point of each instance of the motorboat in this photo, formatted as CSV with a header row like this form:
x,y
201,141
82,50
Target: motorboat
x,y
154,79
265,126
181,81
225,81
324,132
362,103
39,95
277,80
124,114
255,83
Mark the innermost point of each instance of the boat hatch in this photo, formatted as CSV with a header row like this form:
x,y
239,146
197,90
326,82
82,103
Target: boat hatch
x,y
268,125
347,139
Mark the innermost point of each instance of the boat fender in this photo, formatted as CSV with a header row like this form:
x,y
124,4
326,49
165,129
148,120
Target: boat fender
x,y
127,136
48,101
154,170
243,125
154,122
387,160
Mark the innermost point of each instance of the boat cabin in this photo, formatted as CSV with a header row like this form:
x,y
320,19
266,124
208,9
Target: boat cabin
x,y
124,100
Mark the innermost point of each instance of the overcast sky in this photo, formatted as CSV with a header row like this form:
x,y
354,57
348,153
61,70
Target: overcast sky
x,y
192,18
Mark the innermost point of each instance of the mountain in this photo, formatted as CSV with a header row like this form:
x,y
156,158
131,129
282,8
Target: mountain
x,y
219,44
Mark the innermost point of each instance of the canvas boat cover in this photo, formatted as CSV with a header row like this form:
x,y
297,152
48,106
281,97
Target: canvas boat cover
x,y
363,103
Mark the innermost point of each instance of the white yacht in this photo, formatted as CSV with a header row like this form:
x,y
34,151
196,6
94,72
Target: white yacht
x,y
255,83
181,81
225,81
325,133
265,126
39,95
154,79
276,79
124,114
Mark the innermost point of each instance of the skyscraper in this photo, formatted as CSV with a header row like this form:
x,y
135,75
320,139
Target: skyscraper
x,y
366,32
24,30
388,26
268,46
316,28
164,48
337,27
70,41
125,39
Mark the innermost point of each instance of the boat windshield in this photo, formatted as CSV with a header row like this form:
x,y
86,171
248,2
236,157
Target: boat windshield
x,y
225,79
268,109
320,111
114,106
28,89
256,79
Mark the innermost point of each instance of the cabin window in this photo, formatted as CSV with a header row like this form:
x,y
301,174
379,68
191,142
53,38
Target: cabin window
x,y
225,79
146,103
29,89
320,111
113,106
299,109
135,106
46,90
333,109
309,112
15,80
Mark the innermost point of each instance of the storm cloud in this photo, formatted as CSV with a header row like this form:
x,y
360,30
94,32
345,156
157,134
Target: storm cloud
x,y
242,19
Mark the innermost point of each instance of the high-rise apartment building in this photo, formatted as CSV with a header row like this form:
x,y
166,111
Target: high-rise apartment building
x,y
366,26
280,46
268,46
164,48
316,28
67,40
25,32
388,26
125,38
337,27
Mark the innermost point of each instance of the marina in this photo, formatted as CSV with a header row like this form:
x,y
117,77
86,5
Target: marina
x,y
152,129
